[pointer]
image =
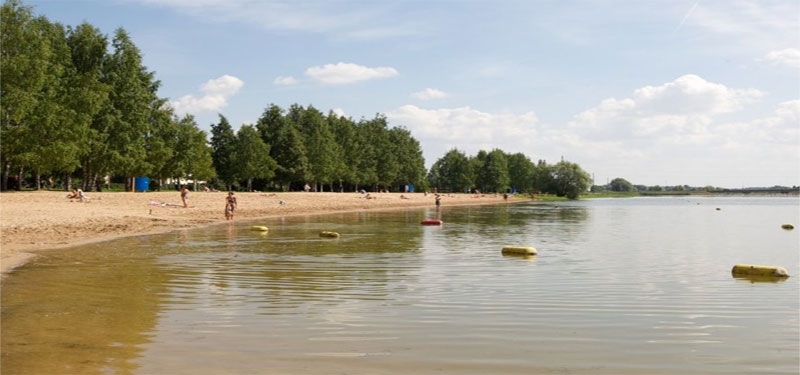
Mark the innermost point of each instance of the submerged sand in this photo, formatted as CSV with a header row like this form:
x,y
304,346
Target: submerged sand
x,y
37,221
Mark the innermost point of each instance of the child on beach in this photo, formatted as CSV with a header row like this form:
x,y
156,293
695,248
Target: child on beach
x,y
230,205
77,194
185,196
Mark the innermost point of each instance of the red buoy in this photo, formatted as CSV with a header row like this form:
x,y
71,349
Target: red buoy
x,y
432,222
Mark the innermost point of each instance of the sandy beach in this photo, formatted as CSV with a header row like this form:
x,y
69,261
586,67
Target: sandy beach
x,y
31,222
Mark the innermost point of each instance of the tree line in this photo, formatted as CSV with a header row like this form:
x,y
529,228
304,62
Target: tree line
x,y
288,148
498,171
78,105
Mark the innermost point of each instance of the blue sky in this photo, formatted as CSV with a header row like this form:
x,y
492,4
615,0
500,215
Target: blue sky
x,y
657,92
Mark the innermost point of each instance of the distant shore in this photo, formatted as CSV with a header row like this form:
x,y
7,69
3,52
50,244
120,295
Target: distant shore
x,y
32,222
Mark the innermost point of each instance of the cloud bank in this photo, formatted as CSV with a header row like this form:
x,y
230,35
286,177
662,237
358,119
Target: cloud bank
x,y
346,73
675,133
215,96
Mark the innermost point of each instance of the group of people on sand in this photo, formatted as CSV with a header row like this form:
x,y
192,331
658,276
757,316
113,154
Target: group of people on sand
x,y
77,194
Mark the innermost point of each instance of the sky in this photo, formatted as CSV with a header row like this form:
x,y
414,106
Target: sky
x,y
656,92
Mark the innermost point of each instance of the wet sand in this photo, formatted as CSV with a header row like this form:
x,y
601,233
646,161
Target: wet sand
x,y
39,221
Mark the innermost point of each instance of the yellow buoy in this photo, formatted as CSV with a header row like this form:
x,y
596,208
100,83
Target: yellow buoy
x,y
329,234
748,270
787,226
519,250
260,228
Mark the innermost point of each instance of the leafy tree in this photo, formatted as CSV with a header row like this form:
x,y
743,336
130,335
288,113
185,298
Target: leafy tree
x,y
543,177
344,133
223,146
366,166
477,163
520,171
320,147
409,155
620,184
290,155
569,179
495,171
452,172
252,156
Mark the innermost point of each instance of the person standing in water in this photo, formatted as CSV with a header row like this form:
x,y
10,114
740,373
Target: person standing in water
x,y
230,206
438,200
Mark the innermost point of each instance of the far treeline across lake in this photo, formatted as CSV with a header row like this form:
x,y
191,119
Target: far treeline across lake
x,y
78,113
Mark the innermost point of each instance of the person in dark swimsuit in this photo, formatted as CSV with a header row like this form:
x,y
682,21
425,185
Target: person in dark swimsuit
x,y
185,196
438,200
230,206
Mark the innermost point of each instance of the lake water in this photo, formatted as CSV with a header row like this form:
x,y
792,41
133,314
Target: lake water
x,y
620,286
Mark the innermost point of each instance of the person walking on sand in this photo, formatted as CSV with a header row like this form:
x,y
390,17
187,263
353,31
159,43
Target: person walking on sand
x,y
230,206
185,196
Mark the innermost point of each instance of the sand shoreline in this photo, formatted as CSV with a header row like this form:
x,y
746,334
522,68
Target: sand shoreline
x,y
33,222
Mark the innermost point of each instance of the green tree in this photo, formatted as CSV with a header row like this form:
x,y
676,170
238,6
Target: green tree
x,y
321,149
452,172
620,184
290,155
223,146
520,171
252,156
569,179
495,171
477,163
25,53
543,177
409,155
344,133
161,142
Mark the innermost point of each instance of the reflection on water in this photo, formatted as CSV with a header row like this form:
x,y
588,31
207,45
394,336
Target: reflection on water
x,y
634,286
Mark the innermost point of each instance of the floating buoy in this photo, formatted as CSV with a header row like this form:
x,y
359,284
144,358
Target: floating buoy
x,y
787,226
750,270
328,234
718,209
519,250
259,228
432,222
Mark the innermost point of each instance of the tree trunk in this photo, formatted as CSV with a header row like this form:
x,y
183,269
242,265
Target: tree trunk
x,y
250,184
4,181
19,178
96,182
38,181
68,182
195,184
86,185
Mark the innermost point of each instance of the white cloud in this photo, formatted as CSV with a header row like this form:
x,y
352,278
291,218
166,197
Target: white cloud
x,y
466,128
285,81
215,97
787,57
345,73
429,94
339,112
664,134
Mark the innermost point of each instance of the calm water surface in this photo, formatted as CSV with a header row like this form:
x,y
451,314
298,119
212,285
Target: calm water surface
x,y
620,286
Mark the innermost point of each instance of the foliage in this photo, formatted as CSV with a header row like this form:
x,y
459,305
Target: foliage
x,y
569,179
252,156
620,184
